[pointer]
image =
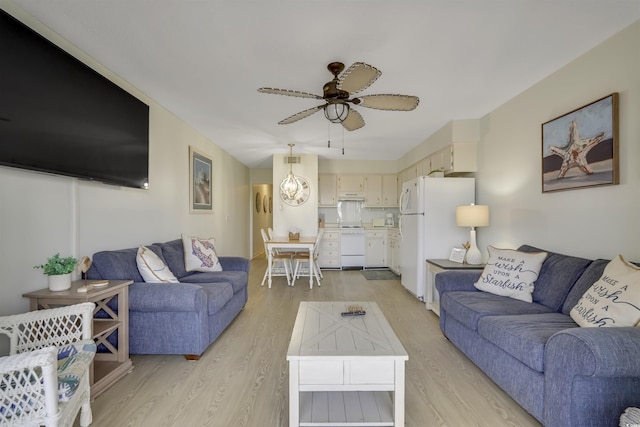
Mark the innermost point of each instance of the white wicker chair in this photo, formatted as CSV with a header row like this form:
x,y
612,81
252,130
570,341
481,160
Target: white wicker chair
x,y
29,394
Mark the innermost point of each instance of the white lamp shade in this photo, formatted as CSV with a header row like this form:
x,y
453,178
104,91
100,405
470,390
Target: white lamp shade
x,y
472,216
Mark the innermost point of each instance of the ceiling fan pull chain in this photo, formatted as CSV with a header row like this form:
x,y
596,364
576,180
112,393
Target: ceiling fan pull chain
x,y
329,133
343,141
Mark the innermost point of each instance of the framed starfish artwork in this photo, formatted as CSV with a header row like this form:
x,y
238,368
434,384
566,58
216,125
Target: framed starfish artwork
x,y
580,148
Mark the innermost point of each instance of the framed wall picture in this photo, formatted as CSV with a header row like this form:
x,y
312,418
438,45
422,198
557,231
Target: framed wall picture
x,y
200,182
580,148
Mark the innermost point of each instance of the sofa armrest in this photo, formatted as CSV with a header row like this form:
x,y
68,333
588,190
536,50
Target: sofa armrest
x,y
456,280
163,297
234,263
588,365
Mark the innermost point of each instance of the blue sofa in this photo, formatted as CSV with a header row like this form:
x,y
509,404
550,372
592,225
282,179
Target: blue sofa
x,y
176,318
562,374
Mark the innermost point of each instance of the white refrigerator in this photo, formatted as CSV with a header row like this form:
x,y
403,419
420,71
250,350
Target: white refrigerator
x,y
428,225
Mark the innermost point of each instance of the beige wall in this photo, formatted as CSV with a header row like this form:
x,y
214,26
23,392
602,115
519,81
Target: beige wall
x,y
590,222
44,214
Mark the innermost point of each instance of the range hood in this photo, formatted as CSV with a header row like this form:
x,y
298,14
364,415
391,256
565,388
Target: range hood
x,y
351,197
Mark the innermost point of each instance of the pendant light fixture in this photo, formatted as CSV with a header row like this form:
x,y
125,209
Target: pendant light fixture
x,y
290,184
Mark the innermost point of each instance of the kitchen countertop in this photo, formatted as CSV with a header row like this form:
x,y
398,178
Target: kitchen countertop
x,y
366,226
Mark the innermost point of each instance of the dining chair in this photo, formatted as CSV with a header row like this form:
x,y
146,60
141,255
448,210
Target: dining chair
x,y
300,258
280,262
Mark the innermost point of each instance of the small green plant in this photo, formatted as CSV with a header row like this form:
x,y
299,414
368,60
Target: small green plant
x,y
56,265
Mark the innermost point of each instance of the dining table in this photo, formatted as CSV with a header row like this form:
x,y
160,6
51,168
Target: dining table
x,y
284,243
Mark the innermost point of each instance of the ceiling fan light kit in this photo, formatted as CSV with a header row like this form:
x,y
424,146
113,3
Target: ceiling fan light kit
x,y
336,93
336,112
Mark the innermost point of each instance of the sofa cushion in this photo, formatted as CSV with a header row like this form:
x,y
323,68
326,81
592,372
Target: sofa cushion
x,y
469,307
238,279
200,254
119,264
218,294
173,254
590,276
152,268
557,275
614,300
511,273
524,336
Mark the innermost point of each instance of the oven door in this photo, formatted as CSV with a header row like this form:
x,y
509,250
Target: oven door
x,y
352,249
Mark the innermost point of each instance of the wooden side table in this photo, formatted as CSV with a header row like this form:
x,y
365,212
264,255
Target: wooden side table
x,y
435,266
109,366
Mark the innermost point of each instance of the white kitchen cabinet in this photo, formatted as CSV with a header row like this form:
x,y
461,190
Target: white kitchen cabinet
x,y
375,253
350,185
381,191
373,191
457,158
329,254
327,190
390,190
394,242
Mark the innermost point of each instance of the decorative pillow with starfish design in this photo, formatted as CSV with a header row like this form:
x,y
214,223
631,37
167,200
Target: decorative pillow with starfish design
x,y
200,254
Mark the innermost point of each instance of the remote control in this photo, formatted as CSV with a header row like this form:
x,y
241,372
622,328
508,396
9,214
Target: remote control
x,y
354,313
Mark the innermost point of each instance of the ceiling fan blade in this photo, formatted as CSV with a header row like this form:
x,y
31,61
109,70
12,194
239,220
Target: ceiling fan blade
x,y
353,121
300,115
358,77
389,102
288,92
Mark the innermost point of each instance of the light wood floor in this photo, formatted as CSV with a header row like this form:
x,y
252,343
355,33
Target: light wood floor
x,y
242,378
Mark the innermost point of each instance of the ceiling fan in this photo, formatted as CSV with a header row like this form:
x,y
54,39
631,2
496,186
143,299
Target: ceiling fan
x,y
336,93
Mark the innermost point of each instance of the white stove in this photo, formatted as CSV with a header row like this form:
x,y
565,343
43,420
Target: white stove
x,y
352,244
351,229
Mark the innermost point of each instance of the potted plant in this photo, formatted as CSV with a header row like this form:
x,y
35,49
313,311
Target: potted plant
x,y
59,271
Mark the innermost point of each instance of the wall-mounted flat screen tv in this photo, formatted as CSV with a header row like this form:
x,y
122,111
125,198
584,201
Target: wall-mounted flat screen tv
x,y
59,116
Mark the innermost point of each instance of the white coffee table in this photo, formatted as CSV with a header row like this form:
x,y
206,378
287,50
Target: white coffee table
x,y
345,371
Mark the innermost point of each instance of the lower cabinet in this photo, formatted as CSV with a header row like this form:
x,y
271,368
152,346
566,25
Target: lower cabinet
x,y
393,237
375,254
329,255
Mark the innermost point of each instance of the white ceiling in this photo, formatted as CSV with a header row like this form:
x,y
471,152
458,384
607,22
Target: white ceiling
x,y
204,60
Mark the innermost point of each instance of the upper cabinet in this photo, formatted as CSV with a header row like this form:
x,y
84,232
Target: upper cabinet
x,y
390,190
458,157
373,190
327,190
381,191
350,186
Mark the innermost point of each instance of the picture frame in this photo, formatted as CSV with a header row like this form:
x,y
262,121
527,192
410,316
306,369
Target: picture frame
x,y
580,148
457,255
200,182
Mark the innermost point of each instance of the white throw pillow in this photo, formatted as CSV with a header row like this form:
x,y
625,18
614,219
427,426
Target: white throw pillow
x,y
614,300
511,273
152,268
200,254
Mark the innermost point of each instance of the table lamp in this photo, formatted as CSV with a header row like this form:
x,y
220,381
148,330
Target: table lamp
x,y
473,216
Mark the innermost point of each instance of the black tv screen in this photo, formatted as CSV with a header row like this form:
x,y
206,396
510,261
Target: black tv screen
x,y
59,116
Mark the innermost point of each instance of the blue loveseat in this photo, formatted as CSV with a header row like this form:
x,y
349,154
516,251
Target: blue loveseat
x,y
562,374
176,318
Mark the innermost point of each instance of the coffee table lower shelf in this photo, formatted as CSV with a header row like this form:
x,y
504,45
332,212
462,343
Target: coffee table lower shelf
x,y
346,408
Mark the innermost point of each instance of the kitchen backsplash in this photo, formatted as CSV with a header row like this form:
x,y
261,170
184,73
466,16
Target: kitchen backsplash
x,y
330,215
